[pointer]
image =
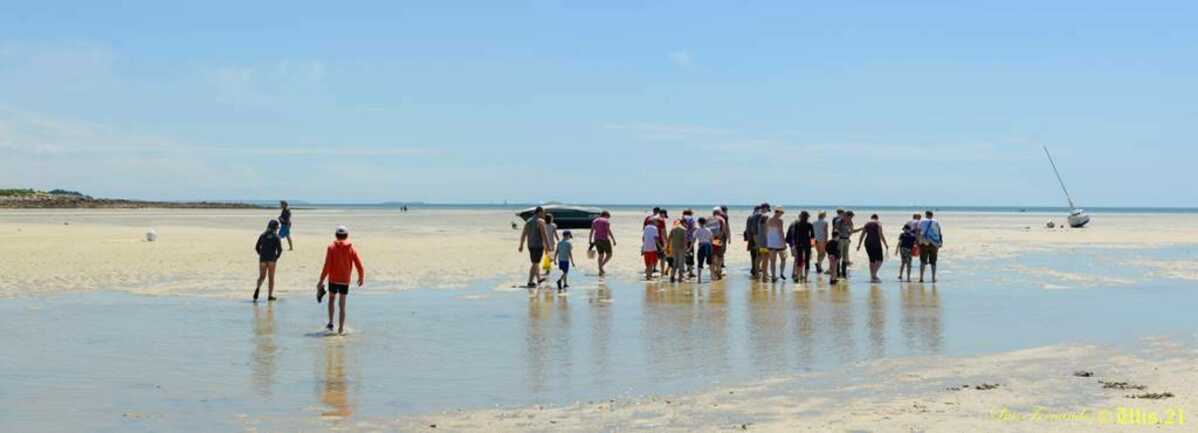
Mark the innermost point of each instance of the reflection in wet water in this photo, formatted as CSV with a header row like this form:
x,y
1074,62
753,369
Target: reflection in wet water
x,y
335,387
877,322
921,318
262,375
429,350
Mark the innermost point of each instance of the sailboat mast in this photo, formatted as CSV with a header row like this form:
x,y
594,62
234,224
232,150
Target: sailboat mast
x,y
1058,173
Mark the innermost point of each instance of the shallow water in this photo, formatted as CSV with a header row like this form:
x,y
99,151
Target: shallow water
x,y
118,362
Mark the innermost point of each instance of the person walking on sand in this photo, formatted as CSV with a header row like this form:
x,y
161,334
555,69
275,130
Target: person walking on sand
x,y
565,258
538,243
930,241
775,241
750,236
340,259
799,236
904,250
717,225
844,226
602,239
269,248
833,257
651,245
875,244
688,222
705,239
677,251
821,240
285,223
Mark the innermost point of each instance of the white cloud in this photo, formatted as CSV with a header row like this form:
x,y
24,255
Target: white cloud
x,y
680,58
267,85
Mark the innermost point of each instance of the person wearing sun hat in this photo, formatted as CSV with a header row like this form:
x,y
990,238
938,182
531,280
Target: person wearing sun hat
x,y
340,259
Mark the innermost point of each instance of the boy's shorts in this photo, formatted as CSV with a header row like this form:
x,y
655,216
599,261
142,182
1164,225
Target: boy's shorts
x,y
704,254
650,258
564,265
284,231
335,288
535,254
905,254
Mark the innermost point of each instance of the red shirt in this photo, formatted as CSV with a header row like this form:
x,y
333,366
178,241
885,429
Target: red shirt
x,y
338,260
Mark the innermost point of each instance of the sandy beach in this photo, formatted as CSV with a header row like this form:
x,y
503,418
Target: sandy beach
x,y
440,335
209,252
1028,390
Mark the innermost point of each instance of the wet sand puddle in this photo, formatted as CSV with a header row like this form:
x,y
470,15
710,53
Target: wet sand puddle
x,y
118,362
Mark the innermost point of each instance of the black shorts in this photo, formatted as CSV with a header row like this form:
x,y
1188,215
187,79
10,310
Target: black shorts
x,y
535,254
603,246
335,288
875,252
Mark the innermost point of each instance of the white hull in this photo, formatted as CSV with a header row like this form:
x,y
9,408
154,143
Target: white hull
x,y
1078,219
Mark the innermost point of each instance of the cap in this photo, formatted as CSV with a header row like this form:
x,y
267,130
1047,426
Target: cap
x,y
567,234
342,230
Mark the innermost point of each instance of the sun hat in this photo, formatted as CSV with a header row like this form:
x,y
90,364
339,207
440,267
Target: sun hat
x,y
342,230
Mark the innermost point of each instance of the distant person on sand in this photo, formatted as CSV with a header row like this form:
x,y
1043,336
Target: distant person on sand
x,y
834,256
340,259
688,222
930,240
704,238
565,258
750,236
651,245
844,225
269,248
538,243
875,246
602,239
904,250
551,230
717,226
677,251
775,241
821,240
285,221
799,236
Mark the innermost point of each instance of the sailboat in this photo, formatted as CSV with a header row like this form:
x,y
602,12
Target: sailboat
x,y
1077,216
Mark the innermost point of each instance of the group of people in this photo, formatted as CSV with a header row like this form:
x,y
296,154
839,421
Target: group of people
x,y
768,244
683,247
689,245
341,259
540,233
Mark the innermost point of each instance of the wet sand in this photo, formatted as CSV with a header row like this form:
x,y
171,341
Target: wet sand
x,y
209,252
441,339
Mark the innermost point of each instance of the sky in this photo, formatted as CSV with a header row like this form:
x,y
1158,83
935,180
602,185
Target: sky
x,y
865,102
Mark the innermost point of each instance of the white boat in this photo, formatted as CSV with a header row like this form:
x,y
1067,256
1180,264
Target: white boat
x,y
1077,216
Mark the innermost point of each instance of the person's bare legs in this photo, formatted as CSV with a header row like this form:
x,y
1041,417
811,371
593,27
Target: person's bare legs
x,y
922,266
341,323
933,272
534,272
289,247
873,271
270,287
332,300
261,277
773,265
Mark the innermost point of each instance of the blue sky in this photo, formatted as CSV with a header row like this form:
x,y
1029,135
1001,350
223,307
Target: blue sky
x,y
890,103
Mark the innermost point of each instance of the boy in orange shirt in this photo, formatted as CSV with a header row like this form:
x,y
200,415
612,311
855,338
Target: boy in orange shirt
x,y
339,259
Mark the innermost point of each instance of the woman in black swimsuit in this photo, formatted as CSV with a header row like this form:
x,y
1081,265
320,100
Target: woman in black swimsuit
x,y
874,242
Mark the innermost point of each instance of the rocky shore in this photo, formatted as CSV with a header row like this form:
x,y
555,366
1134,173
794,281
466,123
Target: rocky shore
x,y
26,199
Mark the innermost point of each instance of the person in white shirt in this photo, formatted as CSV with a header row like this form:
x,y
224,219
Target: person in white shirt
x,y
821,240
650,245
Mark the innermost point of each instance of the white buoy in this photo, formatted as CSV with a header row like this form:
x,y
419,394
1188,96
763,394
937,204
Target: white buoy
x,y
151,236
1051,224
